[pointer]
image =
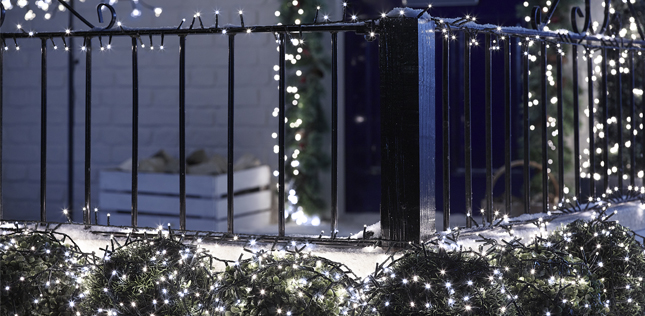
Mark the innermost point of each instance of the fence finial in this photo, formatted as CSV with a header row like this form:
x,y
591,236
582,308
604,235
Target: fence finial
x,y
98,10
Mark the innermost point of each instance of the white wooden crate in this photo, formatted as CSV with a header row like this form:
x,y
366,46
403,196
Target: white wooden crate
x,y
206,202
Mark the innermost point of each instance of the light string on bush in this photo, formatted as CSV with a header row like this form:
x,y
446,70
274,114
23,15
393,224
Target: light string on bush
x,y
593,267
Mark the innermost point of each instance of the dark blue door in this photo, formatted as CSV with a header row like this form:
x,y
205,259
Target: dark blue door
x,y
362,123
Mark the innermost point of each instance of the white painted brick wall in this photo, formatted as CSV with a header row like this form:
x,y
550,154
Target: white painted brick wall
x,y
206,99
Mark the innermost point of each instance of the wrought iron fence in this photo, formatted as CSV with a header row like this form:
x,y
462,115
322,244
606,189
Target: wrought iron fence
x,y
412,45
104,36
409,58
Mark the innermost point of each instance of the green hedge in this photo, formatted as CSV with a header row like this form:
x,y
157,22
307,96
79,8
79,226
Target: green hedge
x,y
585,268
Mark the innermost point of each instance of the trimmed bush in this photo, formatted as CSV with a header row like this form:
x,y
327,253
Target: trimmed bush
x,y
287,283
158,276
38,274
425,282
615,259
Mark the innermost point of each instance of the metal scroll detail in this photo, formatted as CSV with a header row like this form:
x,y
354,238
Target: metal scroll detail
x,y
613,19
112,14
587,15
536,16
98,11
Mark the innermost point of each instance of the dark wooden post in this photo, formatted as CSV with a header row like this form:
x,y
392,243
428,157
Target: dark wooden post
x,y
407,68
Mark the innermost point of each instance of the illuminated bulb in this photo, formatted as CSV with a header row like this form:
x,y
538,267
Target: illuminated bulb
x,y
354,17
135,13
326,17
158,12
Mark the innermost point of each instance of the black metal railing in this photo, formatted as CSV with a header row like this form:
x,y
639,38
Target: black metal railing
x,y
551,44
409,56
90,37
402,213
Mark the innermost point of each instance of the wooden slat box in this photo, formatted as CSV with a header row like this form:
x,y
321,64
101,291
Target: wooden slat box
x,y
206,204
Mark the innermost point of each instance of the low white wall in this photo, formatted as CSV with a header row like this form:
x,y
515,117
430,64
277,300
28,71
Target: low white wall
x,y
362,260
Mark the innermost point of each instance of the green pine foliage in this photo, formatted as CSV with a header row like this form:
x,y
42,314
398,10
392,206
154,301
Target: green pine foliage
x,y
287,283
160,276
37,274
306,118
425,282
615,259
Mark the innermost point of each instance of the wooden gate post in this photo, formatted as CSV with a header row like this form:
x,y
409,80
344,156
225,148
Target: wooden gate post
x,y
407,69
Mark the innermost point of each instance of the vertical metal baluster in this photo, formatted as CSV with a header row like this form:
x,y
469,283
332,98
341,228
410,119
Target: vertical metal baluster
x,y
560,129
1,126
468,164
543,129
605,116
507,123
182,132
527,149
88,130
334,132
576,123
591,102
231,132
488,92
642,131
446,131
43,130
71,112
135,131
281,125
621,143
632,115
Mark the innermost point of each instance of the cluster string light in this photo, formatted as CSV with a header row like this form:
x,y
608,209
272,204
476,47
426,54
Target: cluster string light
x,y
584,267
49,8
304,155
616,65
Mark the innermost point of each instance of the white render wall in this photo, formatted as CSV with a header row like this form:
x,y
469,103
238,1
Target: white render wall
x,y
206,98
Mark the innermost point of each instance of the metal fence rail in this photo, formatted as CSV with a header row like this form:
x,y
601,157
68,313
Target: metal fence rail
x,y
552,44
409,57
90,37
